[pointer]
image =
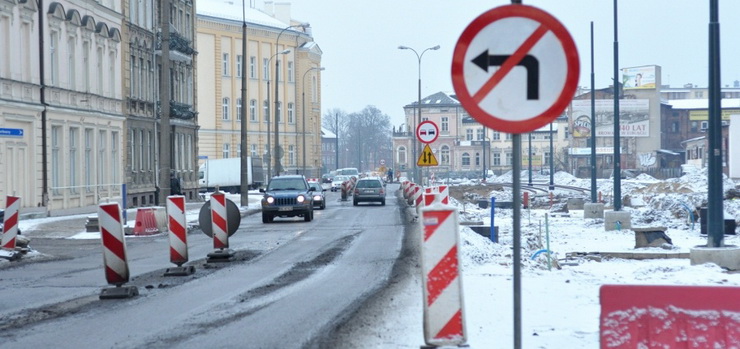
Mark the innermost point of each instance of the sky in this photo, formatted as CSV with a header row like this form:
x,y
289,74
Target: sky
x,y
364,66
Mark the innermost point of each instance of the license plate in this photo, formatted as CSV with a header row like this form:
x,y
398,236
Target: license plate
x,y
368,191
287,208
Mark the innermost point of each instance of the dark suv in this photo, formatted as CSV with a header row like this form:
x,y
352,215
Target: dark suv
x,y
287,196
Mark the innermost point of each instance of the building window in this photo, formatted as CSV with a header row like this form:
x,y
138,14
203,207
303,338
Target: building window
x,y
291,119
479,134
225,108
225,153
252,67
508,159
694,126
225,65
496,135
279,112
114,156
265,110
401,155
445,158
252,110
102,142
239,109
71,48
469,134
290,71
465,159
74,139
265,69
239,66
477,159
291,155
253,150
88,159
56,161
54,58
445,124
496,159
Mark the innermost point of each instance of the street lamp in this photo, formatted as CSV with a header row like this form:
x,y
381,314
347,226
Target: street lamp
x,y
269,158
279,154
418,114
244,188
303,102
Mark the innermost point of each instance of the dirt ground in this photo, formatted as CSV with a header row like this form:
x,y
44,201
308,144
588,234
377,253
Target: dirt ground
x,y
471,193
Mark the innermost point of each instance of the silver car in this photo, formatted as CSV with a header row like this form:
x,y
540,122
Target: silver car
x,y
371,189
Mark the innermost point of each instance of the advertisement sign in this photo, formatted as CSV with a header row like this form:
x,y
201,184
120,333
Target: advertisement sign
x,y
633,118
638,77
703,115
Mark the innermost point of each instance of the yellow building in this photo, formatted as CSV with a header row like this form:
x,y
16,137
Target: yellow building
x,y
270,33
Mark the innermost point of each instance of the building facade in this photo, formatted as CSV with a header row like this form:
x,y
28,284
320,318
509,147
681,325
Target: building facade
x,y
274,40
61,103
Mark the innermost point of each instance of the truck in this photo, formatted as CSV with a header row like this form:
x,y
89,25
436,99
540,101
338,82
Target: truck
x,y
226,174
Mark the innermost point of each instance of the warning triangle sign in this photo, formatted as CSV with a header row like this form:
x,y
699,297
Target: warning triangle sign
x,y
427,158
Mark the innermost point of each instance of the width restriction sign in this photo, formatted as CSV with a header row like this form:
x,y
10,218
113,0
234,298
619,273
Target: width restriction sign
x,y
515,68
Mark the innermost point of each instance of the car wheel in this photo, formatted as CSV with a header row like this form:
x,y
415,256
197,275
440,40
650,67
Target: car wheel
x,y
382,203
323,206
307,216
354,202
266,218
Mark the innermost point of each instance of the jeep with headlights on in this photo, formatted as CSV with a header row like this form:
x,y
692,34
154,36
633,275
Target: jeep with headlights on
x,y
287,196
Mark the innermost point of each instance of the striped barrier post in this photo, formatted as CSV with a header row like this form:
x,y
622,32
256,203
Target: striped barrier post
x,y
444,313
405,189
178,236
418,196
219,226
10,224
429,197
114,252
410,193
444,196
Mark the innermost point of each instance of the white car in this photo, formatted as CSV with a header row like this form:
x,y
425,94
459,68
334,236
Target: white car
x,y
336,183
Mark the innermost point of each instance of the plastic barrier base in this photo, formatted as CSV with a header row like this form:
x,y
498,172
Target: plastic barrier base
x,y
119,292
219,256
180,271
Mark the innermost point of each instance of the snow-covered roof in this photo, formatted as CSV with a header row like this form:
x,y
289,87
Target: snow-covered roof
x,y
232,10
327,134
727,103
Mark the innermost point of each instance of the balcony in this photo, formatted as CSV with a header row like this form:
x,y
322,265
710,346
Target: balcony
x,y
179,111
181,49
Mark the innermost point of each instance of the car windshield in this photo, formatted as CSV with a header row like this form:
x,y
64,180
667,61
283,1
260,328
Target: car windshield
x,y
314,186
340,178
287,184
369,184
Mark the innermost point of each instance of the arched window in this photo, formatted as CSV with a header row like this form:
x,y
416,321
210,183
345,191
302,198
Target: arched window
x,y
465,159
401,155
445,158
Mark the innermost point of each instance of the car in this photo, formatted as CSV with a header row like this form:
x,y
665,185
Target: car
x,y
319,200
369,189
287,196
336,183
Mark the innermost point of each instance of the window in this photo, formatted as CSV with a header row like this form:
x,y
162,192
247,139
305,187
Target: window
x,y
252,67
88,159
445,124
547,158
225,153
445,158
99,69
496,159
71,48
102,141
265,110
477,159
86,65
253,150
290,71
225,108
479,134
401,155
239,66
496,135
252,110
225,65
674,127
239,109
114,156
291,120
239,150
132,148
74,134
56,139
54,58
291,155
279,112
469,134
508,159
465,159
265,69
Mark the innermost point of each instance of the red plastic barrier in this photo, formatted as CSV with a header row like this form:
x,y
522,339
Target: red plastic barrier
x,y
669,317
146,222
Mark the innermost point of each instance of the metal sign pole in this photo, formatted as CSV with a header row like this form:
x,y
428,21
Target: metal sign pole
x,y
517,156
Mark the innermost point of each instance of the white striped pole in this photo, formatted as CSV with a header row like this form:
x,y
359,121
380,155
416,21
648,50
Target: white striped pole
x,y
444,320
444,196
178,231
10,223
114,244
218,221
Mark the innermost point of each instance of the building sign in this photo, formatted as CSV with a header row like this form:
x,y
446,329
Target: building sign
x,y
587,151
703,115
639,77
633,118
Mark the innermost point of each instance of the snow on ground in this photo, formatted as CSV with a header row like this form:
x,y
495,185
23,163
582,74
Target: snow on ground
x,y
560,307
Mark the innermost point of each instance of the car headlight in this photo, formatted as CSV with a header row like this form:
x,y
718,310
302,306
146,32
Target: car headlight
x,y
270,200
301,199
317,198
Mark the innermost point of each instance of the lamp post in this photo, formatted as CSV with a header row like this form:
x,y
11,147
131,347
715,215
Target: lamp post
x,y
303,102
269,155
278,153
244,188
418,105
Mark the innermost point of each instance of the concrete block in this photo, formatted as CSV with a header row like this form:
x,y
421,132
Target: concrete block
x,y
593,210
611,219
727,257
575,204
651,237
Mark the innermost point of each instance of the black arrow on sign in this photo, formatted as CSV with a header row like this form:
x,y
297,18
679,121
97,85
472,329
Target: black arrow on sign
x,y
484,60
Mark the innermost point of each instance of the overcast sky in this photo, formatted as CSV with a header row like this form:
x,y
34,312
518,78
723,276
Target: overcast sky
x,y
364,66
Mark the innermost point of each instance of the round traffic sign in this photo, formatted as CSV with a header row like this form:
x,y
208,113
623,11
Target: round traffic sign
x,y
427,132
515,68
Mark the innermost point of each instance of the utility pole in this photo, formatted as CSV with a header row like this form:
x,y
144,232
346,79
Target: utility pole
x,y
164,102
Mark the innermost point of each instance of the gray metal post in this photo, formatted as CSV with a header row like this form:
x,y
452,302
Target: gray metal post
x,y
593,121
715,209
617,156
244,146
517,201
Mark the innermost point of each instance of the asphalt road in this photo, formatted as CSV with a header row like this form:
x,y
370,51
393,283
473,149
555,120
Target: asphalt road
x,y
291,284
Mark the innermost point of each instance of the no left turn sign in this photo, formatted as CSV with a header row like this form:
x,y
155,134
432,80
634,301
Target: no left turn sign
x,y
515,68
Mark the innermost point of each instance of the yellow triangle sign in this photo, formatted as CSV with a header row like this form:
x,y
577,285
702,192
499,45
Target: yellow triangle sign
x,y
427,158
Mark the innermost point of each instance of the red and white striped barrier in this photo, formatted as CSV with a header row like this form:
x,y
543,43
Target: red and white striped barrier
x,y
218,221
114,244
444,320
429,197
10,224
444,194
178,231
418,195
404,189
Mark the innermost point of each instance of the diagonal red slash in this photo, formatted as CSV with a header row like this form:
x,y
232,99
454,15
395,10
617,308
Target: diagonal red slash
x,y
510,63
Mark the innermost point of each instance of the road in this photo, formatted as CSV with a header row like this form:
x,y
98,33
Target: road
x,y
291,284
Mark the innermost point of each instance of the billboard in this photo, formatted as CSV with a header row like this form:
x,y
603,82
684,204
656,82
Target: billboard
x,y
634,118
639,77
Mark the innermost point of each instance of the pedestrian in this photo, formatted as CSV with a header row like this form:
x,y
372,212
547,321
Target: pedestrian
x,y
175,188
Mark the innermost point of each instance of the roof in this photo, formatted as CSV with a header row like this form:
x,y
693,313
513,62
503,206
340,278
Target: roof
x,y
727,103
233,10
327,134
439,98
